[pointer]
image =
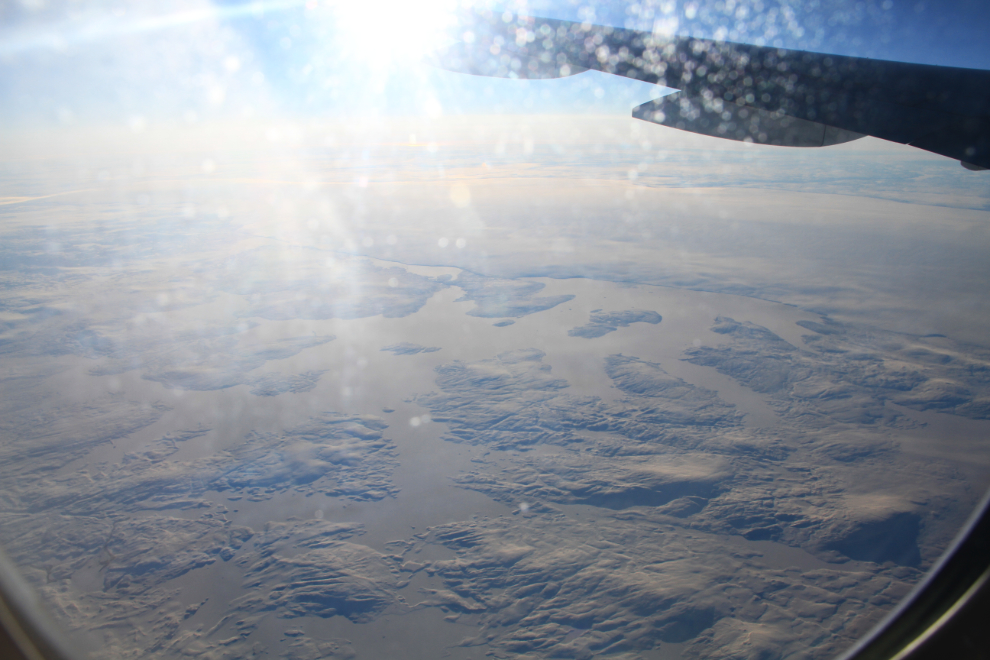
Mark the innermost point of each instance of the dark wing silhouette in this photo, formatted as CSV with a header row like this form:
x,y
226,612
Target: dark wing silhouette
x,y
744,92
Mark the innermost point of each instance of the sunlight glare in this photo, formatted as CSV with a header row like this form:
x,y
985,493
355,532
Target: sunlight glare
x,y
385,32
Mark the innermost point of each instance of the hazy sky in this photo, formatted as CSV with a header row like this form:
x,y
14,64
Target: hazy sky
x,y
114,62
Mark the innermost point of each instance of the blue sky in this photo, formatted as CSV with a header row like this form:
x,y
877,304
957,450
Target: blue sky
x,y
191,60
943,32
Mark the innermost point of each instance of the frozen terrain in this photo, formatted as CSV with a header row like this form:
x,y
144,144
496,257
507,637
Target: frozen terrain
x,y
474,415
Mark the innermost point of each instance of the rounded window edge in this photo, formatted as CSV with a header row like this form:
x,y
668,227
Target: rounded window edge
x,y
945,615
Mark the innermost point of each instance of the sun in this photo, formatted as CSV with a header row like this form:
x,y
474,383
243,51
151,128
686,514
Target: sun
x,y
386,32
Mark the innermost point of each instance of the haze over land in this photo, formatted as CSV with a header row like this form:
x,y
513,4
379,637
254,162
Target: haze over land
x,y
530,387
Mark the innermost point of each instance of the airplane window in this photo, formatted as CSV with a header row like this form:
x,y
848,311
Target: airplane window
x,y
647,330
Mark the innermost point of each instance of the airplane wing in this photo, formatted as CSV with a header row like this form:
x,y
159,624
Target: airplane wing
x,y
743,92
